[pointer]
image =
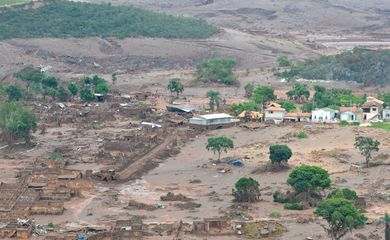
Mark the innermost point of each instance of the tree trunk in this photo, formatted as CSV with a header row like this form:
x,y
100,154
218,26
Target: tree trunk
x,y
368,162
219,156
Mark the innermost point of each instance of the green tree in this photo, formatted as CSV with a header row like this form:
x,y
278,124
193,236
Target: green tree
x,y
366,147
14,92
86,94
52,92
62,94
246,190
309,179
283,61
217,70
219,145
279,153
214,99
176,86
73,89
309,106
263,94
50,82
288,105
299,93
342,216
102,88
249,88
30,76
238,108
16,121
2,90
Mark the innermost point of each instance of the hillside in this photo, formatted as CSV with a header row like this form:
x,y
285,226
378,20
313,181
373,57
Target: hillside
x,y
71,19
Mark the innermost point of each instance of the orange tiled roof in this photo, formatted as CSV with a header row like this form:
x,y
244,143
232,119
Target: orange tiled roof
x,y
346,109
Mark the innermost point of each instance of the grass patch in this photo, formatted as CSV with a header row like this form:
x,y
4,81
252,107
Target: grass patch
x,y
385,126
302,135
293,206
12,2
60,18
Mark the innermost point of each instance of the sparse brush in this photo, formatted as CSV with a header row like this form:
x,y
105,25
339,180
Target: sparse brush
x,y
302,135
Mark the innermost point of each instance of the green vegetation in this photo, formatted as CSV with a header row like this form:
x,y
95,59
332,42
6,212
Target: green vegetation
x,y
14,92
12,2
333,98
288,105
219,145
385,126
309,179
302,135
300,93
50,225
55,156
343,193
263,94
342,216
175,86
387,226
246,190
283,61
293,206
214,99
217,70
385,97
238,108
363,66
77,19
274,214
279,153
16,121
366,147
249,88
86,95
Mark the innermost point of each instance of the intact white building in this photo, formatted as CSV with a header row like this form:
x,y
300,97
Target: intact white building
x,y
274,113
350,114
208,121
324,115
372,110
386,114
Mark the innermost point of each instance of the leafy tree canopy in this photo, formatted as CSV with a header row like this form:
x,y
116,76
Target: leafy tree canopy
x,y
263,94
300,93
246,190
50,82
309,179
283,61
87,95
343,193
342,216
249,88
14,92
238,108
102,88
219,144
366,147
279,153
288,105
73,89
214,99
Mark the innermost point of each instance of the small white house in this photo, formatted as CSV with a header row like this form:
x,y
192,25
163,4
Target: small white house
x,y
372,110
274,113
350,114
324,115
386,114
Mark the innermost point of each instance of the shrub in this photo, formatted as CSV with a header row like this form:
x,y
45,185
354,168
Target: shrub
x,y
246,190
309,179
274,214
343,123
343,193
293,206
55,156
302,135
283,61
51,225
217,70
87,95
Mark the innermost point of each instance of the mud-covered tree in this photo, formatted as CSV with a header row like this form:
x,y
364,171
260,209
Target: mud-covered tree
x,y
246,190
14,92
342,216
175,86
309,180
214,99
279,153
249,88
16,121
366,147
219,145
299,93
73,89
